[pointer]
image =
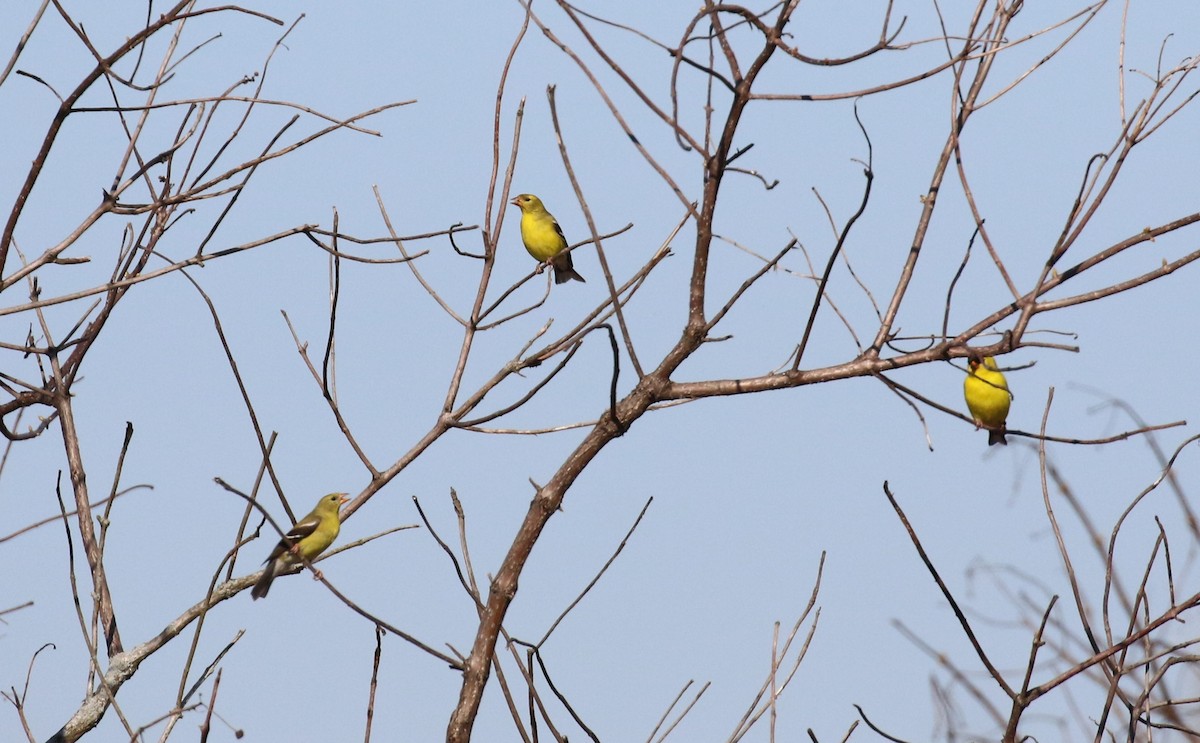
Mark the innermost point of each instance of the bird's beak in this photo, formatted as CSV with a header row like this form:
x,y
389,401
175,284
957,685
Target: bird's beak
x,y
515,202
343,499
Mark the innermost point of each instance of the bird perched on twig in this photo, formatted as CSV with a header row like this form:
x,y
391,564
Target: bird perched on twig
x,y
544,239
988,398
311,536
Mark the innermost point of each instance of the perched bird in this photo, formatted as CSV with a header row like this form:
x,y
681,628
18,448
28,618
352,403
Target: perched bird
x,y
988,398
544,239
311,536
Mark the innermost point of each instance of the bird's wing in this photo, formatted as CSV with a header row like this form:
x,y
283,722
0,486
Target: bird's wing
x,y
303,528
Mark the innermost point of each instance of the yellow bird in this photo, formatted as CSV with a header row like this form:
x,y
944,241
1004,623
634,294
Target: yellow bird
x,y
988,398
311,536
544,239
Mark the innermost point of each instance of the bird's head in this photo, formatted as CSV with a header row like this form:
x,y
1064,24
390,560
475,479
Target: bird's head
x,y
335,500
985,362
527,201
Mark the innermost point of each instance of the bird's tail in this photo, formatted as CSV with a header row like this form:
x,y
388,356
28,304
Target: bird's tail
x,y
564,270
264,583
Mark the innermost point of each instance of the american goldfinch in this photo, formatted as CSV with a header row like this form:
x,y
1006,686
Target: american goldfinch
x,y
988,398
311,536
543,237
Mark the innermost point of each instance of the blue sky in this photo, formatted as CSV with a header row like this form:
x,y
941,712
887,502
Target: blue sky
x,y
748,491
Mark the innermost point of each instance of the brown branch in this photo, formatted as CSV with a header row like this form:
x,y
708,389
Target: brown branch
x,y
957,674
263,448
869,176
18,700
52,519
206,725
877,730
592,583
12,61
561,698
94,670
343,426
776,688
87,534
962,619
64,110
374,683
549,498
468,584
591,222
612,106
128,281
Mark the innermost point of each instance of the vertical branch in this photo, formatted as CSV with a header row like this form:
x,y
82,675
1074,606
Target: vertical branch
x,y
773,676
489,234
206,726
112,494
374,683
328,388
1062,545
241,530
87,533
591,222
869,175
715,165
549,497
489,263
94,660
929,200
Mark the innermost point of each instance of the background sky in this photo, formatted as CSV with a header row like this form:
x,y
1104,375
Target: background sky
x,y
748,492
